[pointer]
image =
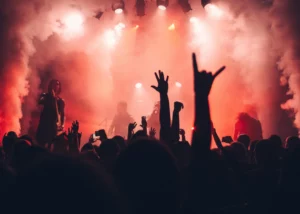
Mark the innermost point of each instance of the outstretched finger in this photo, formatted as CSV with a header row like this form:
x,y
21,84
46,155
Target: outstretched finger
x,y
154,87
195,66
161,75
219,71
156,76
167,79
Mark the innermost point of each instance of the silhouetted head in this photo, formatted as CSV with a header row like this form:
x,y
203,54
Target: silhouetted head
x,y
147,175
54,85
239,151
292,143
266,152
120,141
276,139
108,149
245,140
139,134
8,142
243,116
122,107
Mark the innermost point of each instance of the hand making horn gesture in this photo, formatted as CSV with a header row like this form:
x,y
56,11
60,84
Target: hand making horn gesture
x,y
203,80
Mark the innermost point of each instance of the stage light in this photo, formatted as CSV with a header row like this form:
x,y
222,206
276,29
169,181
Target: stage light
x,y
213,10
171,27
74,21
118,6
193,20
162,4
140,7
185,5
138,85
178,84
192,128
205,2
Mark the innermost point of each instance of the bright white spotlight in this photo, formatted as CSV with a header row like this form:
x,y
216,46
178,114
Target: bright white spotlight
x,y
138,85
213,10
118,6
162,7
178,84
73,22
193,20
119,11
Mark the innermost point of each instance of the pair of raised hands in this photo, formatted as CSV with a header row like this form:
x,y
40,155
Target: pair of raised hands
x,y
202,80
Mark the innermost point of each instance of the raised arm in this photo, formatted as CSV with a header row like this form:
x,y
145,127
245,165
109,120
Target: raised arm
x,y
165,119
176,122
201,139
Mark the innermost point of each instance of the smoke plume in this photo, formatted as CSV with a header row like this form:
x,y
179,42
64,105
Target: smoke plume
x,y
286,28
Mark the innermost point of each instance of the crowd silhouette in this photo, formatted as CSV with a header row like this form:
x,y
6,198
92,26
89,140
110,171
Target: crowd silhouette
x,y
153,171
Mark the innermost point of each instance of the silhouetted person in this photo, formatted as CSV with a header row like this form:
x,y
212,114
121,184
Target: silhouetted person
x,y
153,120
53,114
249,126
121,120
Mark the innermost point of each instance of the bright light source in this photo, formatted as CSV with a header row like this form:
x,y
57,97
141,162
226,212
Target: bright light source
x,y
119,11
193,20
213,10
178,84
162,4
73,22
72,25
118,6
172,27
138,85
162,7
192,128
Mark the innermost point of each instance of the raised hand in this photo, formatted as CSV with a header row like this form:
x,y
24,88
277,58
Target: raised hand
x,y
181,132
132,126
178,106
203,80
144,123
152,132
162,83
75,126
